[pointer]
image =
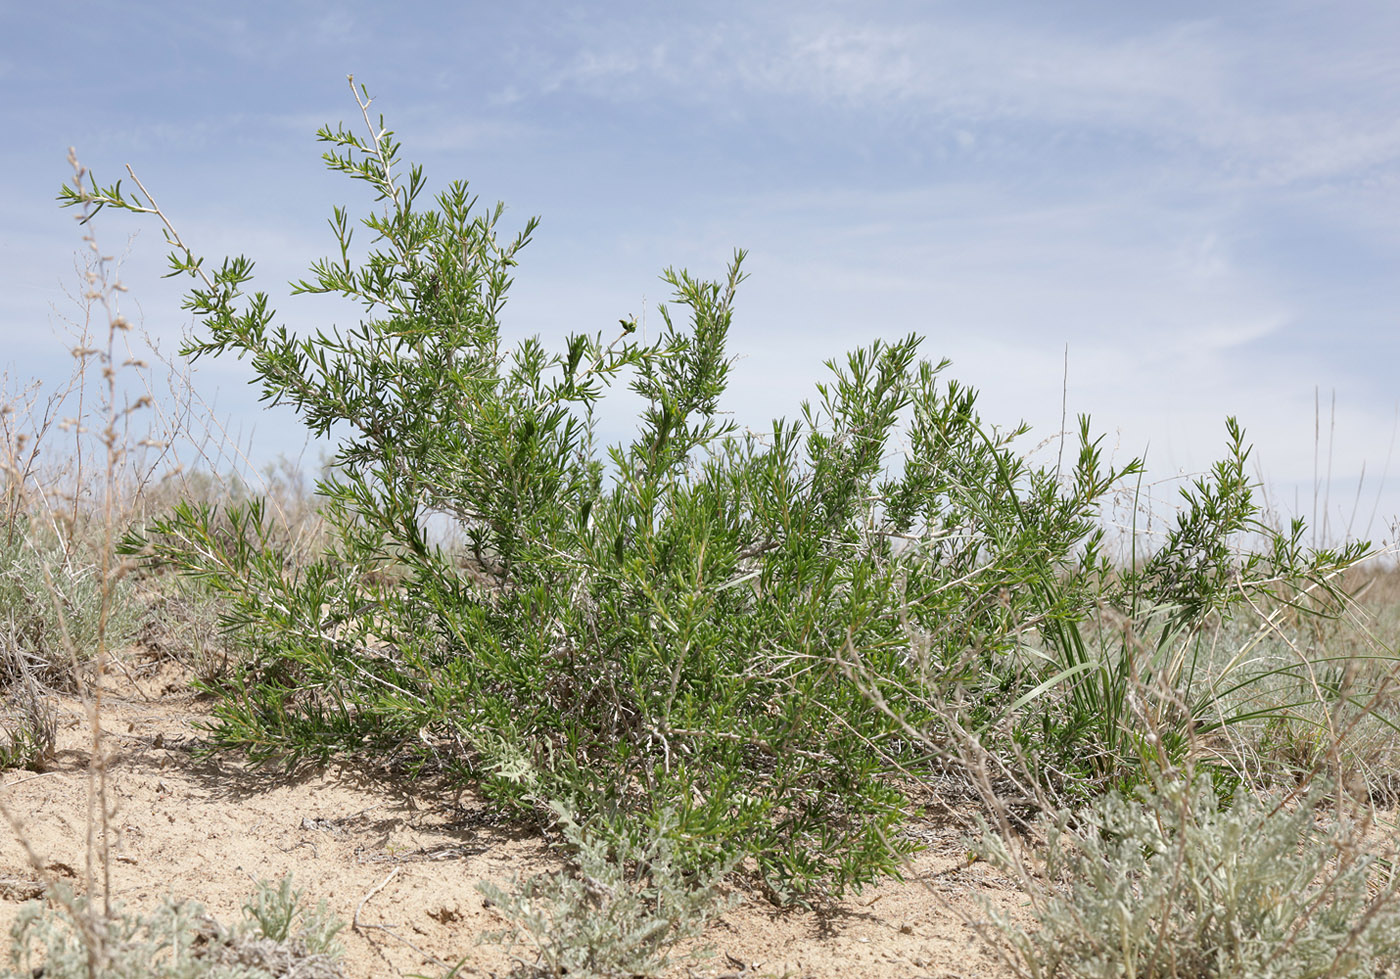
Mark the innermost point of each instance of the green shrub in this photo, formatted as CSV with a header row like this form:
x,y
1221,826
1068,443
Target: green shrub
x,y
701,622
656,625
1168,884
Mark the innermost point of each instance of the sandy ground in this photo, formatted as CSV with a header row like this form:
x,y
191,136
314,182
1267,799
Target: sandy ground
x,y
399,862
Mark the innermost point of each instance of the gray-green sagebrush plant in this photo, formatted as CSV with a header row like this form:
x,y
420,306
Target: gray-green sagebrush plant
x,y
281,935
1169,884
663,626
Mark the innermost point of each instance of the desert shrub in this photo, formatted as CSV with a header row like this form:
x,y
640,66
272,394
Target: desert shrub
x,y
705,622
280,936
1168,883
655,624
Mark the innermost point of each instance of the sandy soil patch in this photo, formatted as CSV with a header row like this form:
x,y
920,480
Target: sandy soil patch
x,y
408,856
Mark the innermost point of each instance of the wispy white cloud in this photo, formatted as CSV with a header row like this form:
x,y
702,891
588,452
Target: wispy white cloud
x,y
1199,85
990,71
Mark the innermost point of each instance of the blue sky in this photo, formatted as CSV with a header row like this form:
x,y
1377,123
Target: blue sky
x,y
1200,200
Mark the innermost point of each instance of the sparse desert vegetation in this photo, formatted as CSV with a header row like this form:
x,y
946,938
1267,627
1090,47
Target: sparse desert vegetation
x,y
704,662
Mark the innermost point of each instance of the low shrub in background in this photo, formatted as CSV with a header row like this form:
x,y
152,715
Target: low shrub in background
x,y
49,585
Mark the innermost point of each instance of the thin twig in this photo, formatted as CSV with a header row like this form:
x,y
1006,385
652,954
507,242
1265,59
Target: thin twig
x,y
30,778
382,884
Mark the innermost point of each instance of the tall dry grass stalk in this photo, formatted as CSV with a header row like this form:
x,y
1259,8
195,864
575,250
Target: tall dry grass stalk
x,y
68,506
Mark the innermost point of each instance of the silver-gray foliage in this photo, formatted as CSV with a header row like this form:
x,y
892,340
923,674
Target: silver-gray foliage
x,y
1167,884
618,912
280,938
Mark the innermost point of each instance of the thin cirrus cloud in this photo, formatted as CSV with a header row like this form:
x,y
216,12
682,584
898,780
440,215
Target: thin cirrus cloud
x,y
1193,85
